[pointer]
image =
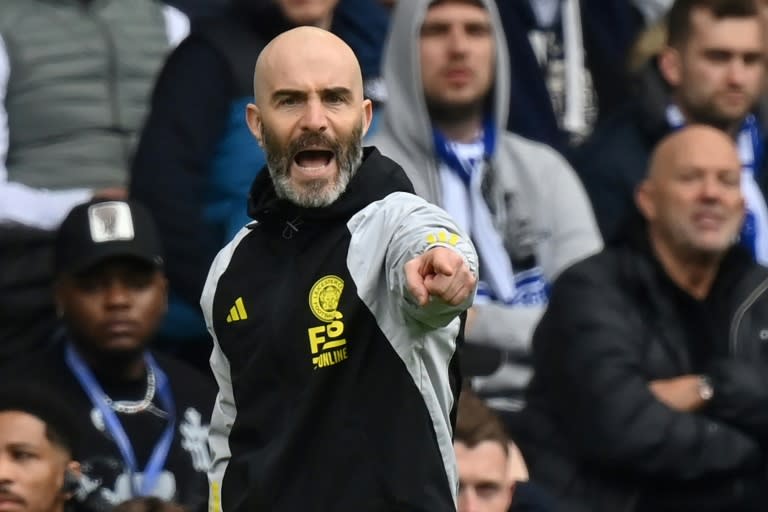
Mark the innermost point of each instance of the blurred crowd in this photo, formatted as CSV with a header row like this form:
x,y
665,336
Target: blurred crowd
x,y
606,157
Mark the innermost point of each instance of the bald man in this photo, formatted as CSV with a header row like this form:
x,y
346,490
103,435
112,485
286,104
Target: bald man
x,y
335,313
650,390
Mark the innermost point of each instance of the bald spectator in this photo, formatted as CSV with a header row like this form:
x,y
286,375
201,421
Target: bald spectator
x,y
711,70
650,388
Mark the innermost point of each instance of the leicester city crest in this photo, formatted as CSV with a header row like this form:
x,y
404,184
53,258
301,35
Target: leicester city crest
x,y
324,298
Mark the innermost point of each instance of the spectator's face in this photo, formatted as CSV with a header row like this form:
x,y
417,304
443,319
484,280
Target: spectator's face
x,y
457,56
483,482
718,74
308,12
310,119
693,202
31,467
115,307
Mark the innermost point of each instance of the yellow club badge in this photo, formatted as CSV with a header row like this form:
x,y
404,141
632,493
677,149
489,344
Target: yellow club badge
x,y
324,298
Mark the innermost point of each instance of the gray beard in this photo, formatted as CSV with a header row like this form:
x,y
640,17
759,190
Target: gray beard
x,y
313,194
322,191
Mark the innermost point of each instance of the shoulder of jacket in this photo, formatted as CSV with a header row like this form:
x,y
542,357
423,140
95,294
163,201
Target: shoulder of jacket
x,y
603,266
387,144
530,150
532,164
754,282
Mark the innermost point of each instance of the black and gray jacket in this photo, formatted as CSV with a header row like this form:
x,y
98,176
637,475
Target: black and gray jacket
x,y
336,392
597,435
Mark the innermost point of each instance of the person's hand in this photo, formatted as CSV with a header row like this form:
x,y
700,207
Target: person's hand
x,y
114,193
679,393
440,272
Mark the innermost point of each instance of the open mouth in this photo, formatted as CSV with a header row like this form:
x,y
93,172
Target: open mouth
x,y
313,158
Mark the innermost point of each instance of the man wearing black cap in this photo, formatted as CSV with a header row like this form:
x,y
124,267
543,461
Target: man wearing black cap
x,y
145,416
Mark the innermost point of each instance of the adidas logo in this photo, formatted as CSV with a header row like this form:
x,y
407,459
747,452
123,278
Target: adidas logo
x,y
237,312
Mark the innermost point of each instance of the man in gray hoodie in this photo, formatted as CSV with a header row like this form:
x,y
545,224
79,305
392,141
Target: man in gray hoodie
x,y
447,71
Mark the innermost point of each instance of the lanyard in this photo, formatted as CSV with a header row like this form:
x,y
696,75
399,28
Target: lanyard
x,y
448,155
112,422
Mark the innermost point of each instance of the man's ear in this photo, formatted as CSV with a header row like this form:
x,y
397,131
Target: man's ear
x,y
71,480
644,201
670,66
367,115
253,118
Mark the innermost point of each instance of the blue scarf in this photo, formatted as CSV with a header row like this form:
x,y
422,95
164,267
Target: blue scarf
x,y
465,169
499,281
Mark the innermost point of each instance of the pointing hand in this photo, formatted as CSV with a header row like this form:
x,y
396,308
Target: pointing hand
x,y
442,273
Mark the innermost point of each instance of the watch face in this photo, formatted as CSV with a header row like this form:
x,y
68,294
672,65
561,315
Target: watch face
x,y
705,389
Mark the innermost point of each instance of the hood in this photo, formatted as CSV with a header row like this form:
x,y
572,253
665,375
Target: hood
x,y
376,178
406,109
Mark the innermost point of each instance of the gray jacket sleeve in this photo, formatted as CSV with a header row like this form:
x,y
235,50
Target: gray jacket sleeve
x,y
384,236
397,229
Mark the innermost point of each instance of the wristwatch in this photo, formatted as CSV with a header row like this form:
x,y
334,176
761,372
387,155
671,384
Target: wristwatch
x,y
705,389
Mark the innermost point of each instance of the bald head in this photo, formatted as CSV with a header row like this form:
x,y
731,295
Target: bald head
x,y
692,197
692,144
305,48
309,115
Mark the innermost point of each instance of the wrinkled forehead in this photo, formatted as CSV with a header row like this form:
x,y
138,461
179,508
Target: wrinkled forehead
x,y
309,68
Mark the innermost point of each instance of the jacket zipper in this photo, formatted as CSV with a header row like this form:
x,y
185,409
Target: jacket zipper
x,y
756,293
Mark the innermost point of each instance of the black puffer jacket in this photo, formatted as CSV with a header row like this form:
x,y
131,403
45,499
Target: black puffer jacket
x,y
595,432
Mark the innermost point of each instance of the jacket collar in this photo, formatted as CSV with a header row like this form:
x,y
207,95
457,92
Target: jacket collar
x,y
377,177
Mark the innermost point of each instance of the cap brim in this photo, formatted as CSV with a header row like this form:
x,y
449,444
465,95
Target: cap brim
x,y
110,251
